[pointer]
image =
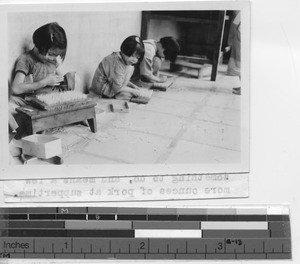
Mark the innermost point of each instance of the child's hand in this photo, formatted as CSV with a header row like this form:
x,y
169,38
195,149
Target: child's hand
x,y
163,79
53,79
136,93
58,61
18,100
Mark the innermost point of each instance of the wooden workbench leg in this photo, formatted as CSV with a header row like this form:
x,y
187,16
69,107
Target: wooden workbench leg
x,y
25,126
218,45
145,24
93,124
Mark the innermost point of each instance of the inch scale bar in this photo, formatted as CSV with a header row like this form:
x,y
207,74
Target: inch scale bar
x,y
164,248
145,233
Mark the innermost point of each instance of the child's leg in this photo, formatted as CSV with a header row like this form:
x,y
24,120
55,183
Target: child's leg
x,y
156,65
15,102
15,150
12,123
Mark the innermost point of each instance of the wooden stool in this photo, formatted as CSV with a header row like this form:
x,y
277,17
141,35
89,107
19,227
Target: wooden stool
x,y
36,120
191,65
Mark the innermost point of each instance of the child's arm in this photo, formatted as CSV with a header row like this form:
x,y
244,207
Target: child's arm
x,y
121,83
19,87
129,87
153,78
146,71
119,86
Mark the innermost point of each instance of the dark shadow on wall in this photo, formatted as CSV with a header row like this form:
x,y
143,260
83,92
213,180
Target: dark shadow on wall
x,y
25,46
86,82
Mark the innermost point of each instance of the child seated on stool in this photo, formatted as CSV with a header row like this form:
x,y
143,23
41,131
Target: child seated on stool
x,y
36,71
155,52
112,76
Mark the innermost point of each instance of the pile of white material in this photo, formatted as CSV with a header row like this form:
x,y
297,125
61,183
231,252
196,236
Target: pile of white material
x,y
57,98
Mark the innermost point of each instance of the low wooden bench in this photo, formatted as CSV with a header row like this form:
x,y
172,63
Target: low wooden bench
x,y
189,65
36,120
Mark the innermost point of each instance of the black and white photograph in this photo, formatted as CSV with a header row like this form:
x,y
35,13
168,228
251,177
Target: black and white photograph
x,y
130,88
144,132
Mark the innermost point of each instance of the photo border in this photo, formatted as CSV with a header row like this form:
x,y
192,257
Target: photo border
x,y
62,171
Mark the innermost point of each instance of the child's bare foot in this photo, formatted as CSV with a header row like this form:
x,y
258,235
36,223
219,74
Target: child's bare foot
x,y
237,90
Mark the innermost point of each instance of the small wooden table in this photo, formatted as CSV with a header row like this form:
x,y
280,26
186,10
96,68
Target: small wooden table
x,y
39,120
191,65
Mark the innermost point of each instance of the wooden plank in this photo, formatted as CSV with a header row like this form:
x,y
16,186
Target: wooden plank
x,y
35,114
188,64
58,107
183,19
200,60
218,45
93,124
25,125
36,103
122,107
163,86
145,24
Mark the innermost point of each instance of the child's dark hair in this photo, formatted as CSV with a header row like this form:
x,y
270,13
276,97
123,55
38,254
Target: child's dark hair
x,y
171,47
49,36
133,44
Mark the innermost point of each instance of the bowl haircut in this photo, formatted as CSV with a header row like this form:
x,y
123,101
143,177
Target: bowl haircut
x,y
133,45
49,36
171,47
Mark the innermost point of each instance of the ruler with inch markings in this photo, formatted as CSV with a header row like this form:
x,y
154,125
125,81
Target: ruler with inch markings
x,y
145,233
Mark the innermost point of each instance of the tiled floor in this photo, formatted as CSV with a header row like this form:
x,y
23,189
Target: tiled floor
x,y
195,121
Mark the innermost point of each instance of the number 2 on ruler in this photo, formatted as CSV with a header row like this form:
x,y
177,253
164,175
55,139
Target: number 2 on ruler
x,y
142,245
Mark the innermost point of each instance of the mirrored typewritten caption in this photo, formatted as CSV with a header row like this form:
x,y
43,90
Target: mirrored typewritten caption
x,y
127,188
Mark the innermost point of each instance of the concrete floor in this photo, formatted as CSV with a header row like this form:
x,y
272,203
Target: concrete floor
x,y
195,121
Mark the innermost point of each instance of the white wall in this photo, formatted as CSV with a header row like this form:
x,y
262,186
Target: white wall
x,y
91,36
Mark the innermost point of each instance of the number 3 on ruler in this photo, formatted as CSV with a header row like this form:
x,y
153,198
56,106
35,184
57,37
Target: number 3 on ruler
x,y
220,245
